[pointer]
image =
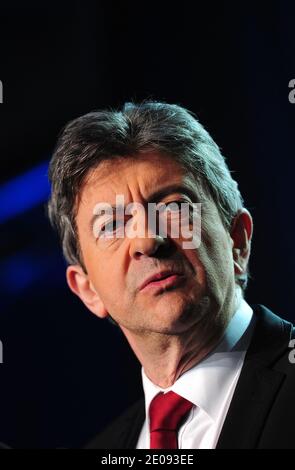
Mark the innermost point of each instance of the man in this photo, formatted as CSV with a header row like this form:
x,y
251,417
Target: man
x,y
216,371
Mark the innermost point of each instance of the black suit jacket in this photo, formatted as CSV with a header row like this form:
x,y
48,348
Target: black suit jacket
x,y
262,410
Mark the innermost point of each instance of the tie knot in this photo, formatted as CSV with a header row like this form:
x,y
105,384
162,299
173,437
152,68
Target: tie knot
x,y
167,411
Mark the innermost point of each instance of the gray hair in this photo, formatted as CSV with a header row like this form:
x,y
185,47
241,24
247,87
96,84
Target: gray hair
x,y
104,135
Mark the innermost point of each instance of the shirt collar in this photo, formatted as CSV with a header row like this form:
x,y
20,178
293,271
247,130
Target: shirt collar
x,y
215,372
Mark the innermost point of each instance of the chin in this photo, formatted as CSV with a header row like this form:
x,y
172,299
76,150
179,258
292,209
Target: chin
x,y
178,313
173,322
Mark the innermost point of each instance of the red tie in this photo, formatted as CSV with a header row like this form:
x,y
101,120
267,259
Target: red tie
x,y
166,412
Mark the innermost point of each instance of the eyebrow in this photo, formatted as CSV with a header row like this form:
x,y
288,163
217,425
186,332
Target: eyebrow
x,y
155,196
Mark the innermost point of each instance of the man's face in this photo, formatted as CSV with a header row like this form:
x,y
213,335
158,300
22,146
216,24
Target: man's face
x,y
117,267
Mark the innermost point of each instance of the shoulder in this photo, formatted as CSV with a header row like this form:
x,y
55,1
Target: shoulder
x,y
123,431
272,340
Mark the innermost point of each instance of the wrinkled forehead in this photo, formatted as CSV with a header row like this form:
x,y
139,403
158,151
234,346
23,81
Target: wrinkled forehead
x,y
146,173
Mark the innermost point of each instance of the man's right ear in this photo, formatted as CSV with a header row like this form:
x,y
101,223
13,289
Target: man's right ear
x,y
79,282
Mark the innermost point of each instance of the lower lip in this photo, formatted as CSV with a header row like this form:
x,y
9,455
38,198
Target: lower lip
x,y
170,281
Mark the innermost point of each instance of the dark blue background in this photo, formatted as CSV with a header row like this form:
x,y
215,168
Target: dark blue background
x,y
65,373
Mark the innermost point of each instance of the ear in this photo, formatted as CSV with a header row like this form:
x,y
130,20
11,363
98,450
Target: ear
x,y
241,235
80,284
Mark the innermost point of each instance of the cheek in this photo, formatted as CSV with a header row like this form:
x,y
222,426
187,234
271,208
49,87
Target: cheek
x,y
199,267
212,262
109,282
218,263
103,276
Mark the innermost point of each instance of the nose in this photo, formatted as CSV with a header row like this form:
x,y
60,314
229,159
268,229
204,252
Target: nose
x,y
150,244
147,246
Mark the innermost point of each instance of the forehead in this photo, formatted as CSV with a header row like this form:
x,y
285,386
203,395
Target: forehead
x,y
140,175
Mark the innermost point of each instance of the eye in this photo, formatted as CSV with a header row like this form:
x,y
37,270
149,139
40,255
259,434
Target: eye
x,y
171,205
174,206
109,228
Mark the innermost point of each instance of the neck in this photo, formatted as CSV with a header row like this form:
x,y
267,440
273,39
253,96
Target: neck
x,y
165,357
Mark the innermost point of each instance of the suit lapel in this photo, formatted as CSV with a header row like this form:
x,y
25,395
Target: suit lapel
x,y
258,383
132,427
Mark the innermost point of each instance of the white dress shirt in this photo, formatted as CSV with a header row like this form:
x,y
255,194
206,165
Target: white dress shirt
x,y
209,385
